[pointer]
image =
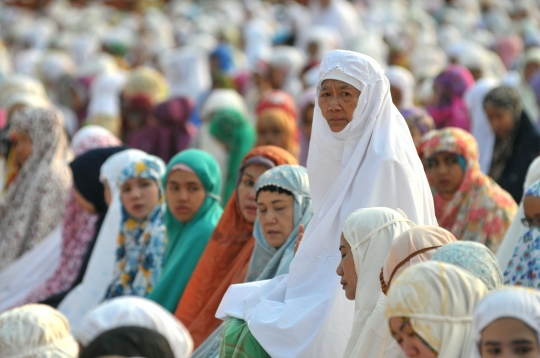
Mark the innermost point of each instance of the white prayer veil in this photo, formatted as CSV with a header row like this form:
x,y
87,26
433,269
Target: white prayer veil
x,y
91,291
370,163
517,229
370,233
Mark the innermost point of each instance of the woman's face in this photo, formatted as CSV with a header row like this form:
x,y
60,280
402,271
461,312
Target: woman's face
x,y
509,338
307,120
246,191
446,173
500,119
270,133
185,194
531,207
338,101
22,147
83,203
410,343
397,96
346,269
276,216
139,197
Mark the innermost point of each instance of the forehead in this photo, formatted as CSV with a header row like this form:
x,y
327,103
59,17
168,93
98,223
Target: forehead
x,y
269,197
335,83
183,177
531,205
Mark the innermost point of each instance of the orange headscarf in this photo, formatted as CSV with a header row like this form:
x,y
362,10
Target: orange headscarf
x,y
224,261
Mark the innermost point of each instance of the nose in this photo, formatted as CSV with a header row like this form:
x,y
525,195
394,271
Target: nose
x,y
339,270
334,103
409,350
251,194
183,195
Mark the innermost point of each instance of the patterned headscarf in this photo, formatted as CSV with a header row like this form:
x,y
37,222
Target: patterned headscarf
x,y
35,201
480,210
523,268
141,243
267,261
473,257
450,109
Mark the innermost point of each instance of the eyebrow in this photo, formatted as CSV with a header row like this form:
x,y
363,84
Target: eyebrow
x,y
187,183
341,247
345,86
247,174
521,341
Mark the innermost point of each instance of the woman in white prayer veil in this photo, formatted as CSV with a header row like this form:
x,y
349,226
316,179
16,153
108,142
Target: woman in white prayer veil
x,y
358,158
517,229
366,241
88,294
480,127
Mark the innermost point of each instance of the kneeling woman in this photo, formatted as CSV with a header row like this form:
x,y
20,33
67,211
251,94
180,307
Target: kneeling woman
x,y
283,206
142,239
192,187
468,203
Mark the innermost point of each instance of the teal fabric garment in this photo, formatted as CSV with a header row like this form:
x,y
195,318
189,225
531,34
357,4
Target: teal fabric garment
x,y
230,127
187,241
473,257
267,261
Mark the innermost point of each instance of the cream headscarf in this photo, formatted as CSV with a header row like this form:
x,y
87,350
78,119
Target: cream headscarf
x,y
509,302
517,229
438,299
410,248
370,233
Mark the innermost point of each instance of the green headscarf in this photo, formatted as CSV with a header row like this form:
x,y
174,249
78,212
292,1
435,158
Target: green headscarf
x,y
231,127
187,241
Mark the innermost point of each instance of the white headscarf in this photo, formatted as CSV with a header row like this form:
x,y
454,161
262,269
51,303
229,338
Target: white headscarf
x,y
105,94
481,129
402,79
139,312
36,331
517,229
438,299
305,314
370,233
509,302
340,15
91,291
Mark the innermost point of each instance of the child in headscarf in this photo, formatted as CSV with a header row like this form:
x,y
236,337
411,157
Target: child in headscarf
x,y
34,203
523,269
143,238
507,322
517,141
192,186
468,203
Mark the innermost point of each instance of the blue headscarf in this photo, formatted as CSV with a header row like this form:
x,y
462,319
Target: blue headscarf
x,y
524,268
473,257
267,261
225,56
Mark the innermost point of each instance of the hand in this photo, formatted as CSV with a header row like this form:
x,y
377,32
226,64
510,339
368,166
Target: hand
x,y
299,239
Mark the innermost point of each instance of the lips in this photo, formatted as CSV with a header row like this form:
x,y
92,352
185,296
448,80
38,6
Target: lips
x,y
343,284
272,233
444,182
138,207
250,208
181,210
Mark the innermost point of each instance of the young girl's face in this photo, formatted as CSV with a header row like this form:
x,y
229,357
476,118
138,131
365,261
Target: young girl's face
x,y
185,194
411,343
270,133
509,338
346,269
139,197
531,207
22,146
445,172
246,191
275,212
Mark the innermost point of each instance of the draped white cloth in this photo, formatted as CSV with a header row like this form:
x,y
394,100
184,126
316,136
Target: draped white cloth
x,y
439,299
517,229
30,270
480,127
370,163
370,233
91,291
509,302
402,79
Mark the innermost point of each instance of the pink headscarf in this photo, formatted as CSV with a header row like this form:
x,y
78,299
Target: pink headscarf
x,y
509,48
450,109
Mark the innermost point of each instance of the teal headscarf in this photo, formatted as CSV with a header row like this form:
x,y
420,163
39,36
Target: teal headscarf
x,y
473,257
267,261
231,128
187,241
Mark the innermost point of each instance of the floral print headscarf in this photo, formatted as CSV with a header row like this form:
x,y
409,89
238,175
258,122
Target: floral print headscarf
x,y
524,267
480,210
141,243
